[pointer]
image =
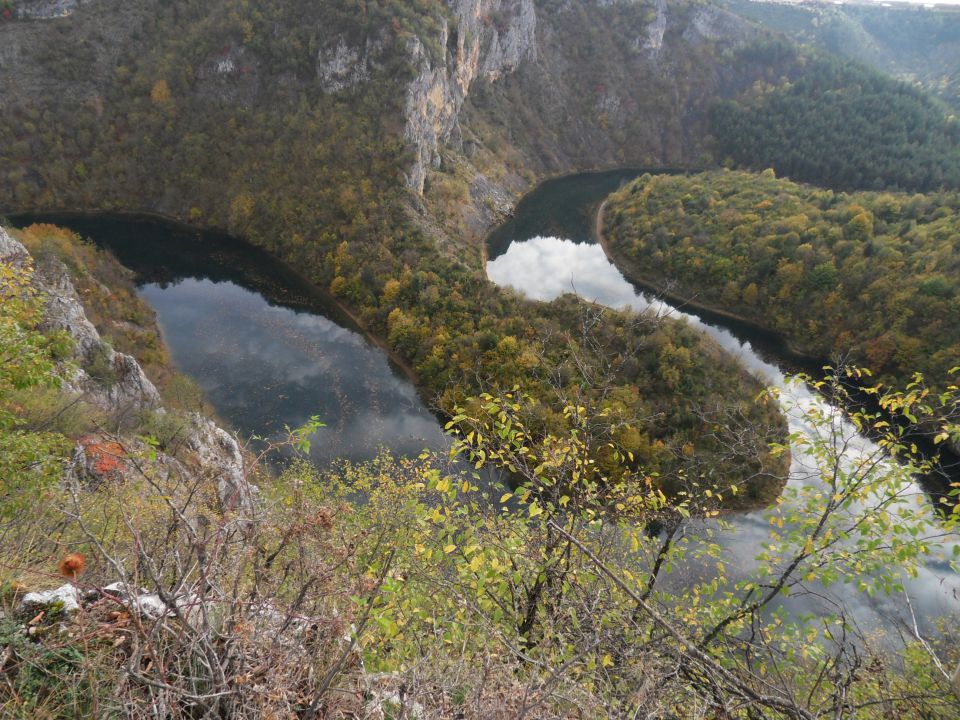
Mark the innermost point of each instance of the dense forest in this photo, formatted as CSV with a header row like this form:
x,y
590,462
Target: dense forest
x,y
872,275
844,126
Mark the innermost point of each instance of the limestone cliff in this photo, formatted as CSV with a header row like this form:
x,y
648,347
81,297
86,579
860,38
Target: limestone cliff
x,y
486,39
590,99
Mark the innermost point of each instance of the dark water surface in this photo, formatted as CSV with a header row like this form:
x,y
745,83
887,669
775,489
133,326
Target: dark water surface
x,y
264,345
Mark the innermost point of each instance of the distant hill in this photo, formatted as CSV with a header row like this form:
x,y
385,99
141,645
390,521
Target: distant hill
x,y
916,44
841,125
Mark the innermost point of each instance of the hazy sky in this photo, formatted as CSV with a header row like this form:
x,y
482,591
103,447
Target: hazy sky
x,y
878,2
912,2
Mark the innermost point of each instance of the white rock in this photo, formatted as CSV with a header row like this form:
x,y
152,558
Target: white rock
x,y
67,594
219,452
12,251
475,48
344,66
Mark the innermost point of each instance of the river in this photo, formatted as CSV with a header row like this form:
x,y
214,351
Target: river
x,y
265,346
549,248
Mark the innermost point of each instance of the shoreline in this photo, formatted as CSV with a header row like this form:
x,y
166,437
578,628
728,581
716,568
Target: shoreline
x,y
324,294
681,302
921,436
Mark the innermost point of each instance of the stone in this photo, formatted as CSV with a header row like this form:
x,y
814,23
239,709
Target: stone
x,y
343,66
45,9
68,596
218,453
12,251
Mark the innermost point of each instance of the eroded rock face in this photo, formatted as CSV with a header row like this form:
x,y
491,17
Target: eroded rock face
x,y
343,67
653,42
45,9
219,457
12,251
128,385
213,454
712,23
489,38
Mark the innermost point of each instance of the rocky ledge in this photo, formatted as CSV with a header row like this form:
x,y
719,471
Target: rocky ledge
x,y
209,456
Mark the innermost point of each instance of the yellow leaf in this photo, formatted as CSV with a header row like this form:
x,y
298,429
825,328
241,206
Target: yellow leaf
x,y
449,549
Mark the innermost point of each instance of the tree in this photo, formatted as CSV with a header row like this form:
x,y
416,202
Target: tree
x,y
160,93
566,574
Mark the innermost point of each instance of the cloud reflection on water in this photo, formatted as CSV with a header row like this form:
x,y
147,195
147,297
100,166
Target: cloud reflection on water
x,y
544,268
264,366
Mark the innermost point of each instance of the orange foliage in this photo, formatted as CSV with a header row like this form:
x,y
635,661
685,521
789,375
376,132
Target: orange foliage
x,y
72,565
104,457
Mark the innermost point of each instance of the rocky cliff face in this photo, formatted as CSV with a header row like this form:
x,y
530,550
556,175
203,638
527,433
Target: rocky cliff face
x,y
129,385
619,83
45,9
486,39
64,312
594,84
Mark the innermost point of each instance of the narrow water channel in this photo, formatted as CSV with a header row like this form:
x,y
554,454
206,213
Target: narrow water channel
x,y
548,249
269,350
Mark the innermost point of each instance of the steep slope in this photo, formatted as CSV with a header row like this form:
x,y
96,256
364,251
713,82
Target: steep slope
x,y
97,402
203,110
843,126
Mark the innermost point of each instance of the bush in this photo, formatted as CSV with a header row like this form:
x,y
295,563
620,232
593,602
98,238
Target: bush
x,y
99,365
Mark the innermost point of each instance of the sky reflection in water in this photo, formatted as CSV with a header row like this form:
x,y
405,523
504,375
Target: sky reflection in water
x,y
266,347
545,267
263,366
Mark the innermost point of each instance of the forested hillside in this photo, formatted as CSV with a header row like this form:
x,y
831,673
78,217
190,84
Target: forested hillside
x,y
843,126
920,45
872,275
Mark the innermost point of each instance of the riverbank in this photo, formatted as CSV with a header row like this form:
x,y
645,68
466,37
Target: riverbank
x,y
938,484
803,361
324,295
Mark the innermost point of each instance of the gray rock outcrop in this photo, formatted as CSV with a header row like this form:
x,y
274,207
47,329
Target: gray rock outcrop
x,y
219,457
343,66
45,9
130,386
488,39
